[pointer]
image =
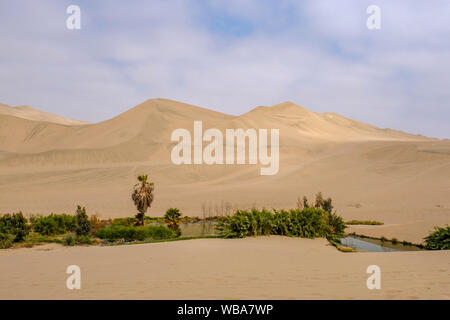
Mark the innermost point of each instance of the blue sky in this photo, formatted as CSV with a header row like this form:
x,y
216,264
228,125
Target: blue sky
x,y
230,56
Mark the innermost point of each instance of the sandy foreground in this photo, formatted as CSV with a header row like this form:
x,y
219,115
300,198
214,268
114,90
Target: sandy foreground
x,y
251,268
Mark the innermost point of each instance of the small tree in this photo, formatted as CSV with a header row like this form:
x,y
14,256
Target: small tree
x,y
319,200
172,218
327,205
82,223
143,197
305,202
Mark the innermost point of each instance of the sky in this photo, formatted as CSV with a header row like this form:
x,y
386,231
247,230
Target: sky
x,y
231,56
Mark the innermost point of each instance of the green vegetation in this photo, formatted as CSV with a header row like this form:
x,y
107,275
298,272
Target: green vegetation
x,y
143,197
364,222
439,239
129,233
345,249
53,224
128,221
82,223
13,224
69,240
96,223
173,218
306,223
6,240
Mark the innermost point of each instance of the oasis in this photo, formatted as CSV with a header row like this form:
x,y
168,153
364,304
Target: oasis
x,y
213,153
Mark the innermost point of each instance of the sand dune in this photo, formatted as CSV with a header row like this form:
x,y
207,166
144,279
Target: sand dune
x,y
251,268
26,112
371,173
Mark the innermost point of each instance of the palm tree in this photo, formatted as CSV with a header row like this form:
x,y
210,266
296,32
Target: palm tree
x,y
142,196
173,218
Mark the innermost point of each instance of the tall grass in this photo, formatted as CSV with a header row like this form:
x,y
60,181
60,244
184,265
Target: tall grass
x,y
306,223
439,239
128,233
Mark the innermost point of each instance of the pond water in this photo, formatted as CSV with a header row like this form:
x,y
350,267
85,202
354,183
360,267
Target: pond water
x,y
198,229
374,245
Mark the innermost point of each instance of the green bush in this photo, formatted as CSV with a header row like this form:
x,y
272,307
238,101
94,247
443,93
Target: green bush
x,y
439,239
128,233
15,224
307,223
83,239
6,240
53,224
129,221
82,223
173,218
69,240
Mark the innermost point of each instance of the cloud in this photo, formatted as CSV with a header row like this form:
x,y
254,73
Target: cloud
x,y
231,56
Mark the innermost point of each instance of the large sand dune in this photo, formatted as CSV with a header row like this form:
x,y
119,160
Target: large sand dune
x,y
371,173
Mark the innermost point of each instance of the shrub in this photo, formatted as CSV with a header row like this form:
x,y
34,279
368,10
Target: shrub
x,y
439,239
6,240
97,224
160,232
307,223
364,222
173,218
82,224
53,224
83,239
15,224
69,240
129,221
337,224
128,233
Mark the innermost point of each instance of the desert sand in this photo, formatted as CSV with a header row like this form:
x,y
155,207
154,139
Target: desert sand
x,y
251,268
27,112
398,178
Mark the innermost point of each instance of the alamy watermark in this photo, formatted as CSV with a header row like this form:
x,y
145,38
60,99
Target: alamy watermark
x,y
74,20
374,280
74,280
374,20
213,153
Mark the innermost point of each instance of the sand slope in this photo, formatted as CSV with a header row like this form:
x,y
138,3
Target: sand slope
x,y
252,268
26,112
371,173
